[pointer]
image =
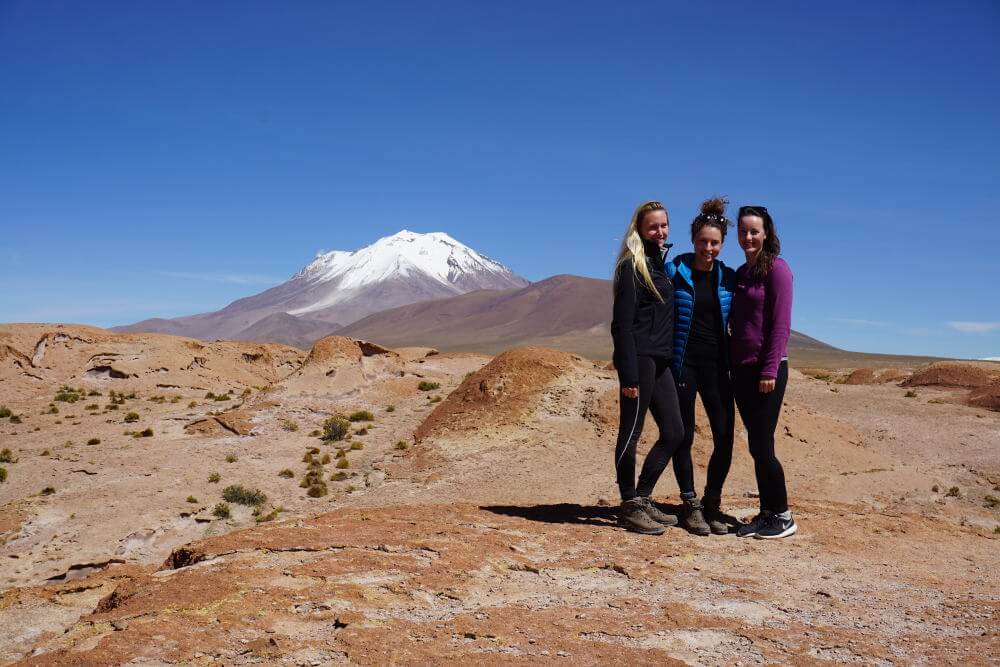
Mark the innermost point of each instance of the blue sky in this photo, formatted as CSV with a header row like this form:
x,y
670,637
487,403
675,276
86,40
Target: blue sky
x,y
162,159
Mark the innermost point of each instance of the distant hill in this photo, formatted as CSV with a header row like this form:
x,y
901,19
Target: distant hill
x,y
564,312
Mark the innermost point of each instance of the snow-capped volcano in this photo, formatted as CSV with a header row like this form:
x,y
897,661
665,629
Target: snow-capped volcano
x,y
406,255
340,287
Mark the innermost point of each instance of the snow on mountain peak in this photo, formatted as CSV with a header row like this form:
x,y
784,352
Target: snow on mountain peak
x,y
434,256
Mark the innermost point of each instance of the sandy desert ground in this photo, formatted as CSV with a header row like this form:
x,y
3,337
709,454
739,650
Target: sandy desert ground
x,y
471,521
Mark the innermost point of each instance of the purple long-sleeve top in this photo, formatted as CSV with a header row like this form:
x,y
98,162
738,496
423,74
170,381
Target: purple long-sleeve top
x,y
761,318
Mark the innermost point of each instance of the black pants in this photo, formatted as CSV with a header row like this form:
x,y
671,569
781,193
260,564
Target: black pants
x,y
657,394
760,416
711,380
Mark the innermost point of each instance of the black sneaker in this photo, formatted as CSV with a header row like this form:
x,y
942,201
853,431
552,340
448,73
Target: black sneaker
x,y
750,529
776,527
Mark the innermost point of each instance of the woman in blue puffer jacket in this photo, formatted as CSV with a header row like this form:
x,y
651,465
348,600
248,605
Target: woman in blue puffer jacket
x,y
703,291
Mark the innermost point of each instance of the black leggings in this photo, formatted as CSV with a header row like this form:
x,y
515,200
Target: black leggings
x,y
712,382
760,416
657,394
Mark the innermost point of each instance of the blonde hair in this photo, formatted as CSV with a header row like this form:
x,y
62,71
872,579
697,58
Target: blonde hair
x,y
632,250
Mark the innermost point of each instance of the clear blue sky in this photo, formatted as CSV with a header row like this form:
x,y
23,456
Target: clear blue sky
x,y
162,159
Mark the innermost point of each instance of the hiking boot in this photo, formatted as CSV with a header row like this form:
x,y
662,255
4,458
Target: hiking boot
x,y
713,514
776,527
750,529
632,516
694,520
655,513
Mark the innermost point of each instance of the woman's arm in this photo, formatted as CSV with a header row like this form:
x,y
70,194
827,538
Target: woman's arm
x,y
777,318
623,315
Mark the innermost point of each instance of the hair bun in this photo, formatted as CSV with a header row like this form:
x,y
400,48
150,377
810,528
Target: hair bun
x,y
715,205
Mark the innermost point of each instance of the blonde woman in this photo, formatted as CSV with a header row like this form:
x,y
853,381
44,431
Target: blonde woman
x,y
642,330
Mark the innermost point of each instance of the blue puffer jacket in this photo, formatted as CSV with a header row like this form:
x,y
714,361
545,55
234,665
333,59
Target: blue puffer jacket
x,y
679,272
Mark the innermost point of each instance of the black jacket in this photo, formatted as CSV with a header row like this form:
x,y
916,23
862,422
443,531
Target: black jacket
x,y
641,324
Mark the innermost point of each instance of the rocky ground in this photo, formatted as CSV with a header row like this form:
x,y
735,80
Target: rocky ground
x,y
472,520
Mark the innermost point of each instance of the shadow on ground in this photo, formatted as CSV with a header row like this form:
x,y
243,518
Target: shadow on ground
x,y
594,515
558,513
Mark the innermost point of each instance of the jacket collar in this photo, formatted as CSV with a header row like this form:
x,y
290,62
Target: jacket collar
x,y
685,264
654,252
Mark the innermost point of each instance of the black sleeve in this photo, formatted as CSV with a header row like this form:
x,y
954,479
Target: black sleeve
x,y
622,317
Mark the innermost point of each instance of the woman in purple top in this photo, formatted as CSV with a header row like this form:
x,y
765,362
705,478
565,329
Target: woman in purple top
x,y
760,322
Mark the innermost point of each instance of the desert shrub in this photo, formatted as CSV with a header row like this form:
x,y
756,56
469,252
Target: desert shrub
x,y
954,492
111,406
93,392
241,495
935,488
357,445
3,475
428,386
94,441
340,454
991,502
343,463
193,404
350,488
68,394
317,490
157,399
232,458
144,433
6,456
391,408
221,511
315,433
361,431
335,428
402,445
224,397
48,491
46,452
214,478
52,410
436,399
192,499
339,476
210,396
4,412
910,394
325,459
175,399
270,516
286,473
131,417
362,416
307,457
131,395
996,529
289,425
92,406
314,450
15,419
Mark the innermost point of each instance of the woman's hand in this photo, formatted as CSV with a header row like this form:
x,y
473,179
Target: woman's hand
x,y
630,392
767,385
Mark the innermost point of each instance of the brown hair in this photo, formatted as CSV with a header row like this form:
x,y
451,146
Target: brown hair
x,y
772,244
712,215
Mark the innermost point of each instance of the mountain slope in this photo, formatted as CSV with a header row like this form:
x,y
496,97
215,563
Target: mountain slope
x,y
565,312
340,287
